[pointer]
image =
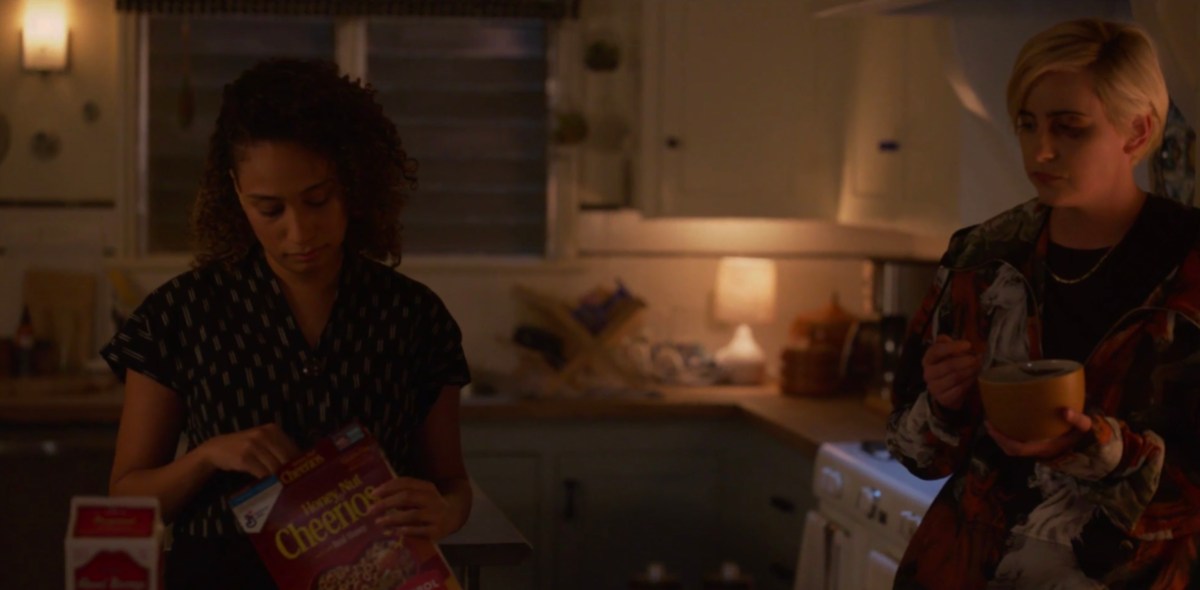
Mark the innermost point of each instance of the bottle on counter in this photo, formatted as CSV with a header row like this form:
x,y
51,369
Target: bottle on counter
x,y
23,345
656,577
730,577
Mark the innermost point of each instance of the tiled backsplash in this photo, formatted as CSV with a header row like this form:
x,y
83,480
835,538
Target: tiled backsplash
x,y
677,288
53,238
678,291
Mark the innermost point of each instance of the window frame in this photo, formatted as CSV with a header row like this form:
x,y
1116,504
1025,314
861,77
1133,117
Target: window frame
x,y
350,53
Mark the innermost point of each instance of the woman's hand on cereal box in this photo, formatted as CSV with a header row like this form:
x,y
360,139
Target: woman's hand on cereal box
x,y
259,451
411,506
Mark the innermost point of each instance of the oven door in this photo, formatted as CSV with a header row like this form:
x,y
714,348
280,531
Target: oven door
x,y
880,572
825,554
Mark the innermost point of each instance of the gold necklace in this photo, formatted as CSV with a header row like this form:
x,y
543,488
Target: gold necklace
x,y
1085,276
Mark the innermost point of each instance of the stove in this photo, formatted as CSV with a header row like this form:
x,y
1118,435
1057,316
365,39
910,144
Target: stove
x,y
868,507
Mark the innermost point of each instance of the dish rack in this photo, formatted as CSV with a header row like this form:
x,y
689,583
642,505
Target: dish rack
x,y
586,353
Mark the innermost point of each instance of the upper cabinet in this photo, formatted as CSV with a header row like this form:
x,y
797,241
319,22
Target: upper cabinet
x,y
739,110
761,109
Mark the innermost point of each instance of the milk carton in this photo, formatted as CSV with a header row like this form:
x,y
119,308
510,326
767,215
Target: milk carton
x,y
114,544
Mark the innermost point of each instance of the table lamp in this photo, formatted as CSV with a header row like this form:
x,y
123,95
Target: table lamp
x,y
745,294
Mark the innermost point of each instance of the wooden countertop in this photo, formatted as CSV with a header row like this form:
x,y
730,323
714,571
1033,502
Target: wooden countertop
x,y
61,400
803,422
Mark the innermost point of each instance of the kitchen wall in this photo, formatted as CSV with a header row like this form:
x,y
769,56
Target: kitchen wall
x,y
88,169
59,212
88,166
677,289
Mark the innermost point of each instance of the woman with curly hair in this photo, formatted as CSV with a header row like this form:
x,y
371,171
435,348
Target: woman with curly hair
x,y
292,322
1093,270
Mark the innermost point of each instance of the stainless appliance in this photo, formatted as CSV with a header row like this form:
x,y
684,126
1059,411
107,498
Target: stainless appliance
x,y
868,506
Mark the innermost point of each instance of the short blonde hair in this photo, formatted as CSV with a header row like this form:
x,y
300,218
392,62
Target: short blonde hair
x,y
1121,59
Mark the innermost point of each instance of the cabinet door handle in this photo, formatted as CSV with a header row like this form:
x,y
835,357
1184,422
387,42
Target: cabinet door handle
x,y
673,142
570,488
783,504
782,572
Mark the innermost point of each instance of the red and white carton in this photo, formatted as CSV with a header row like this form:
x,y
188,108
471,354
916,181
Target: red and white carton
x,y
114,544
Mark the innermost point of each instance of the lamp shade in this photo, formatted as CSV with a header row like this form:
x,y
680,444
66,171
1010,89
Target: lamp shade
x,y
745,290
44,36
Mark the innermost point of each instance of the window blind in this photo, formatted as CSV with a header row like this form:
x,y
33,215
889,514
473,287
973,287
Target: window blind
x,y
469,99
190,60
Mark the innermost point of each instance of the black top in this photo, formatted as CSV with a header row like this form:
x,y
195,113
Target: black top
x,y
1077,316
226,341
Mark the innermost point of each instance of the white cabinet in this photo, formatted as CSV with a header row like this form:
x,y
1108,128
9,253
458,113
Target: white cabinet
x,y
599,499
761,109
901,128
740,109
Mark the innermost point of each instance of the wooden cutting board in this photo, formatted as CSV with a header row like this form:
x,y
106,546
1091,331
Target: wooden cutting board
x,y
62,306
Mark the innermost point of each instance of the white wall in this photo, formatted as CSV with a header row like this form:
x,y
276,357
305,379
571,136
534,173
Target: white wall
x,y
87,167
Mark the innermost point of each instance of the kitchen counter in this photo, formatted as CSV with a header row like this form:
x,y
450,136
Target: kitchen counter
x,y
805,423
802,422
61,400
487,539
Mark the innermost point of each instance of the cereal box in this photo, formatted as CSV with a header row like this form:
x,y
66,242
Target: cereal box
x,y
114,544
310,526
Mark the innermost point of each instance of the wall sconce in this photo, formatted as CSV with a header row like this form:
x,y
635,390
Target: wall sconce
x,y
44,37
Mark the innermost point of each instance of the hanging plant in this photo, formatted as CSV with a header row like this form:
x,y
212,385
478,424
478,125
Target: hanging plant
x,y
602,56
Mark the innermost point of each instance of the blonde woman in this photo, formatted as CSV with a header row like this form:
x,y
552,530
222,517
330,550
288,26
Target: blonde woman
x,y
1110,277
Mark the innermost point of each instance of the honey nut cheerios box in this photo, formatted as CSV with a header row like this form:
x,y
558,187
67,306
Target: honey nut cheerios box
x,y
114,544
309,523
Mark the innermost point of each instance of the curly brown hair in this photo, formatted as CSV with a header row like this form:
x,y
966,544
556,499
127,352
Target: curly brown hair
x,y
310,103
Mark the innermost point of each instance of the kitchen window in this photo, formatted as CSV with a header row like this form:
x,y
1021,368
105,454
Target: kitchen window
x,y
468,96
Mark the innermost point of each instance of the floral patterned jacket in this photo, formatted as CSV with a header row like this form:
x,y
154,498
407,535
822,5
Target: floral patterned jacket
x,y
1122,509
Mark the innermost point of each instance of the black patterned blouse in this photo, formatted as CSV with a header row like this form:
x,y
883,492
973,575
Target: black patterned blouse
x,y
226,341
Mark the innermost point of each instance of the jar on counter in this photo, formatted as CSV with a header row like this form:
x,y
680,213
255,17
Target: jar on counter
x,y
813,362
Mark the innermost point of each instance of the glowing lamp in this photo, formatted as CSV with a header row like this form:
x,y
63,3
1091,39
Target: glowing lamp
x,y
44,36
745,295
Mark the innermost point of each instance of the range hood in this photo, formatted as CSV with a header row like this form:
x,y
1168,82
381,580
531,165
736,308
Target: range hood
x,y
984,31
982,40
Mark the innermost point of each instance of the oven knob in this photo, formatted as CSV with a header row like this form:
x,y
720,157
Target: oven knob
x,y
868,501
909,521
830,482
